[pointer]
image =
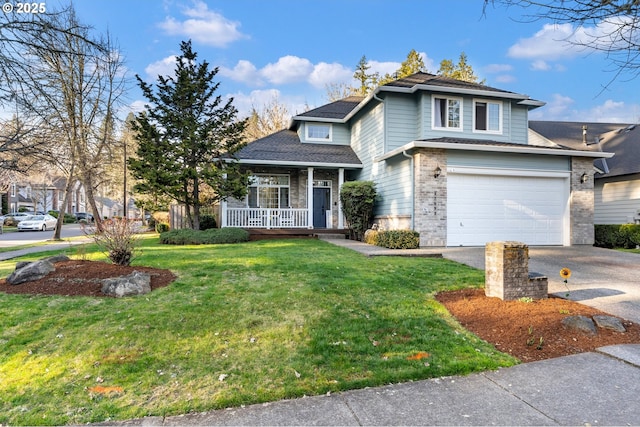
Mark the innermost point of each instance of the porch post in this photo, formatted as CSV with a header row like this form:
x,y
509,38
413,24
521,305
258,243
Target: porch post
x,y
223,210
310,197
340,182
223,213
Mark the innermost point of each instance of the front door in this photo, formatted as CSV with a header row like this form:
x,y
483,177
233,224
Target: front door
x,y
321,203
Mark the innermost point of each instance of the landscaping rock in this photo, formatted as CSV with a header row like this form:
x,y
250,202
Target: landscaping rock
x,y
136,283
609,322
580,323
58,258
26,272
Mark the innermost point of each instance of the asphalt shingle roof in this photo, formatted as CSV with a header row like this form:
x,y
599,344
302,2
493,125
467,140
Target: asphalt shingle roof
x,y
435,80
335,110
285,146
451,140
619,138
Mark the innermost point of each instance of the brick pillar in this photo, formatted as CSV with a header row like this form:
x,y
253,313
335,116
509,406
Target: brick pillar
x,y
506,270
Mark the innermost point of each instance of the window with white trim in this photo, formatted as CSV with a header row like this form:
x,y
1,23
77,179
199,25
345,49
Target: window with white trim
x,y
318,132
13,189
269,191
447,113
487,116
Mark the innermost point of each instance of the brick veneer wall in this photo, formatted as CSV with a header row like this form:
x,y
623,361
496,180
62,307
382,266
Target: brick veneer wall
x,y
507,272
430,209
582,202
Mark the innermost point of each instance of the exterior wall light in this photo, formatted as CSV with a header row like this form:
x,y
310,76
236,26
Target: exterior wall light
x,y
437,171
584,178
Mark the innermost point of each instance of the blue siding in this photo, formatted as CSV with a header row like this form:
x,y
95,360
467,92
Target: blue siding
x,y
401,117
508,161
392,177
340,134
514,121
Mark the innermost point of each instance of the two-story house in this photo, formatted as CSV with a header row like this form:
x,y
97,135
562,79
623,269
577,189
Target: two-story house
x,y
450,159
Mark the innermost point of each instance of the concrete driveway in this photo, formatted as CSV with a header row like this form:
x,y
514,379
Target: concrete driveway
x,y
602,278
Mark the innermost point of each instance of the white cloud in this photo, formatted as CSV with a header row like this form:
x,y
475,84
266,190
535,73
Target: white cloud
x,y
259,98
204,26
324,74
497,68
551,42
383,67
288,69
137,106
563,108
244,72
540,65
164,67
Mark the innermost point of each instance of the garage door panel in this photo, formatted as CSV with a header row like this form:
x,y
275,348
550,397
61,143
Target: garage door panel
x,y
483,208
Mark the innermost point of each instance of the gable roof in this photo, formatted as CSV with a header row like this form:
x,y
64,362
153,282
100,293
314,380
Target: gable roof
x,y
335,110
342,110
285,148
619,138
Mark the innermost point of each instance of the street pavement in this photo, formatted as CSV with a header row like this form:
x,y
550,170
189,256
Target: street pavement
x,y
597,388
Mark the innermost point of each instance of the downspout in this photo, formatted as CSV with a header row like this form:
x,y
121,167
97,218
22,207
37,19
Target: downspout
x,y
413,189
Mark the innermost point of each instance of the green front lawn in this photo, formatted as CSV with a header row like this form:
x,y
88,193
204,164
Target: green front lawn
x,y
244,323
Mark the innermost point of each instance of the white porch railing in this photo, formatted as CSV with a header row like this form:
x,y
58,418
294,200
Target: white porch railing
x,y
267,218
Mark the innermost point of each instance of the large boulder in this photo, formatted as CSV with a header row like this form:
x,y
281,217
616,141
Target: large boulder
x,y
27,272
580,323
136,283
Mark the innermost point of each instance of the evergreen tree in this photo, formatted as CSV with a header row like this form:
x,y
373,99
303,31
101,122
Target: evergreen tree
x,y
188,137
413,64
367,81
460,71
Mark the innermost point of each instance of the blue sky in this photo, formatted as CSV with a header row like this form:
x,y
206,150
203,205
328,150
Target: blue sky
x,y
293,49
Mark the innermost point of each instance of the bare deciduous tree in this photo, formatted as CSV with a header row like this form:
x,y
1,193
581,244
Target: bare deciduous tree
x,y
615,32
76,85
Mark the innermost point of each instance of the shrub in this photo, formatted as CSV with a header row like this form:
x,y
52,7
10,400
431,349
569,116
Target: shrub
x,y
188,236
358,199
207,222
118,240
162,227
398,239
68,219
371,237
617,236
629,235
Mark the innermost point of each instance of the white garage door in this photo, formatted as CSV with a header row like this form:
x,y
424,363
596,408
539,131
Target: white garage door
x,y
484,208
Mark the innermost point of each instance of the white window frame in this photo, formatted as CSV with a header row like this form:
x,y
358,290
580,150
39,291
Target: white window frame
x,y
434,101
255,183
500,115
309,126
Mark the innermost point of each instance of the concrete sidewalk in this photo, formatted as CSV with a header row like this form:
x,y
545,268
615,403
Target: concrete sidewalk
x,y
584,389
50,246
599,388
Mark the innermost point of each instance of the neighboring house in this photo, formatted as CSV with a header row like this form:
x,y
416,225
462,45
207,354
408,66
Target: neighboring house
x,y
617,180
450,159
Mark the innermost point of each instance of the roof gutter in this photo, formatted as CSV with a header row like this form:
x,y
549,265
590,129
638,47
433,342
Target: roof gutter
x,y
525,149
290,163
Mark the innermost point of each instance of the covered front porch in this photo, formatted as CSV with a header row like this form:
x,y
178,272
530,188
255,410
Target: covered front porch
x,y
281,198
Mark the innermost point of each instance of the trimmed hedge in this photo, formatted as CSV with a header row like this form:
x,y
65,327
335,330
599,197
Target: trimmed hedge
x,y
617,236
207,222
393,239
187,236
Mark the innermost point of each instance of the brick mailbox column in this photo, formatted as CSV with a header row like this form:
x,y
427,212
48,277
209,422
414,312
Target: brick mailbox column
x,y
507,272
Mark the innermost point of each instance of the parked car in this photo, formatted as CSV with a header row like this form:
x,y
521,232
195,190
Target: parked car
x,y
13,218
83,216
38,222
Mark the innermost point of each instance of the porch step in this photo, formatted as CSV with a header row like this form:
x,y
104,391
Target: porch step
x,y
331,236
294,233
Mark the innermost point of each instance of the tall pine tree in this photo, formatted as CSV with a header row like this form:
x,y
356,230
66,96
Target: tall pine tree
x,y
188,137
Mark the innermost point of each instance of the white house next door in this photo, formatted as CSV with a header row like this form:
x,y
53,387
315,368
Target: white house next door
x,y
483,208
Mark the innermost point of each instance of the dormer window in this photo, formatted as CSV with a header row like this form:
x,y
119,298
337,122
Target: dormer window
x,y
487,116
447,113
318,132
